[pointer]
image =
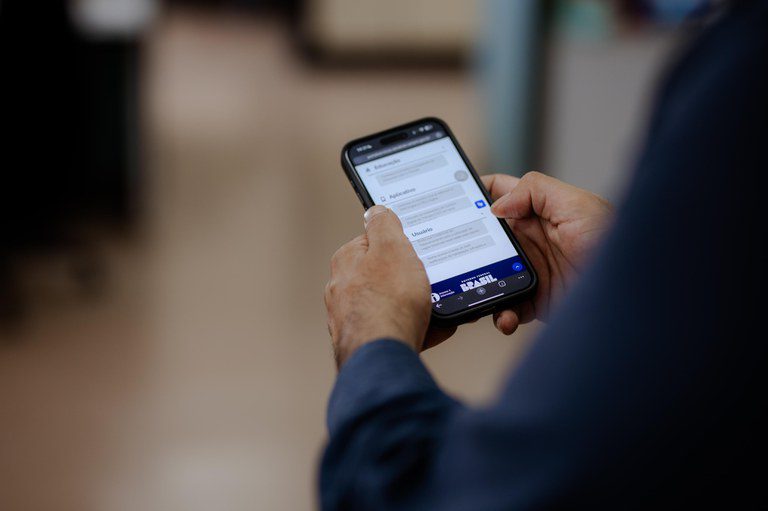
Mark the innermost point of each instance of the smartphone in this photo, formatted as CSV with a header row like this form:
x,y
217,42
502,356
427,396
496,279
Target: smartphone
x,y
418,170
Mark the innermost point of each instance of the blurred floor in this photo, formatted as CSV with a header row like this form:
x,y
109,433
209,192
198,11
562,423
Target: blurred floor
x,y
200,380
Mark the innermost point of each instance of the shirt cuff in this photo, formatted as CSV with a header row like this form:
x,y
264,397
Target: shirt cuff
x,y
376,373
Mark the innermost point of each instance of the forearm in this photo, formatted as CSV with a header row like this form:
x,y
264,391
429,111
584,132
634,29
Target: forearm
x,y
398,442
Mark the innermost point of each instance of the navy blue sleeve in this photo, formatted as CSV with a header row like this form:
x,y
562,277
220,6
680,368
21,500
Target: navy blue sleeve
x,y
644,390
384,420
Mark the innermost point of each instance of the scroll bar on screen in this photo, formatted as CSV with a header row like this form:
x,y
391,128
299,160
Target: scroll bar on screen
x,y
485,299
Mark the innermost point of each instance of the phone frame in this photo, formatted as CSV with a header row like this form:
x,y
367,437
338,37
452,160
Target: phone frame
x,y
463,316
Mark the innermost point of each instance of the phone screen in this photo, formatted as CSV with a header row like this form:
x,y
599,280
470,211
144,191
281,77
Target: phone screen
x,y
420,174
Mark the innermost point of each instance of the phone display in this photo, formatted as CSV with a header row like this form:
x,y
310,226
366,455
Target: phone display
x,y
419,171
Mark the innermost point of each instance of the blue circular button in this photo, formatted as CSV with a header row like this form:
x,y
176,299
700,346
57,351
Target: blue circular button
x,y
517,266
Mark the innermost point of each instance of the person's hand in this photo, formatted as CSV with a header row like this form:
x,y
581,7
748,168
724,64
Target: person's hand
x,y
557,225
379,288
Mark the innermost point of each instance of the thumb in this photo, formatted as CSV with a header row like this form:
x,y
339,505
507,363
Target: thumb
x,y
383,227
527,198
513,205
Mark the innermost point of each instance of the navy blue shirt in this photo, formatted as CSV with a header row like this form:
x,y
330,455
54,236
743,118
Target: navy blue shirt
x,y
646,388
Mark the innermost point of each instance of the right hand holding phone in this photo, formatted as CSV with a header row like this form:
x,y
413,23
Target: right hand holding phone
x,y
558,226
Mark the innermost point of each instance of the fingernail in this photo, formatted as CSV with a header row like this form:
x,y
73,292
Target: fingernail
x,y
372,212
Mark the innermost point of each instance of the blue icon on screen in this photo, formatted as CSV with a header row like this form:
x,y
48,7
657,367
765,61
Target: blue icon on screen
x,y
517,266
480,204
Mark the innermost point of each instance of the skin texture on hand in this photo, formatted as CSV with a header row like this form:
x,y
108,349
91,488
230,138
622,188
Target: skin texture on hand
x,y
378,288
557,225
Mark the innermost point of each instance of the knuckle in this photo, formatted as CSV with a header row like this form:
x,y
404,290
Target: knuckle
x,y
341,254
533,175
338,254
331,288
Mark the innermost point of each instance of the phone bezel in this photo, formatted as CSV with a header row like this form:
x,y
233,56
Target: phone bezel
x,y
466,314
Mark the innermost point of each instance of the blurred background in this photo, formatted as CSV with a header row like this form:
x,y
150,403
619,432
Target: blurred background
x,y
172,195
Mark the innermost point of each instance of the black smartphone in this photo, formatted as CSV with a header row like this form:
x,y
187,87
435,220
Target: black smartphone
x,y
418,170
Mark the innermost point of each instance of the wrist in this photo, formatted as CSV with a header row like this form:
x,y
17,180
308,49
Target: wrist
x,y
344,350
351,339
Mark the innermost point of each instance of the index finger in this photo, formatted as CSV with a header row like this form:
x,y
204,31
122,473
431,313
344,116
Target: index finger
x,y
383,228
499,184
348,252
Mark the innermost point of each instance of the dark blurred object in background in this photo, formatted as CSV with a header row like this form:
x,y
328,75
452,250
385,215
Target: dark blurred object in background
x,y
661,12
71,136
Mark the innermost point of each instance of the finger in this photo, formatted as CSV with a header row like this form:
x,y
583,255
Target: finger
x,y
526,312
499,185
531,196
506,321
383,228
348,252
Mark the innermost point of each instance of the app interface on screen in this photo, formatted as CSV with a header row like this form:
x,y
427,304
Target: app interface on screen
x,y
468,257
